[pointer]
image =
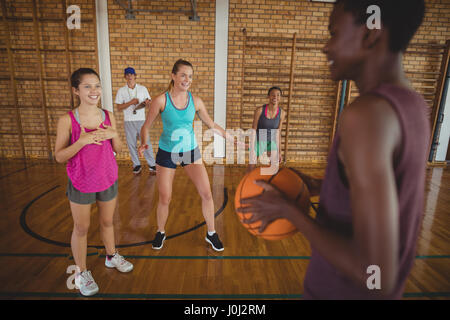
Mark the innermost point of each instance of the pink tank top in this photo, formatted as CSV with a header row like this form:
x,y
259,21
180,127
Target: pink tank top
x,y
94,167
322,280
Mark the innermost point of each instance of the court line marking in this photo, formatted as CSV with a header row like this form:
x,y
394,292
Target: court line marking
x,y
189,296
64,255
17,171
27,229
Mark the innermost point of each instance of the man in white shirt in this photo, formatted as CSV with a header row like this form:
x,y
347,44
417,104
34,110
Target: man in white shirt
x,y
132,99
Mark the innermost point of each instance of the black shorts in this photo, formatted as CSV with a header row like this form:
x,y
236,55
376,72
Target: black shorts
x,y
171,159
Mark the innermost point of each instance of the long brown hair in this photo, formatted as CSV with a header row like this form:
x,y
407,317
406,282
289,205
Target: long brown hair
x,y
176,66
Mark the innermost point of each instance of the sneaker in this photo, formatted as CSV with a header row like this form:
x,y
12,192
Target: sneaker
x,y
118,262
159,240
137,169
152,169
85,283
214,241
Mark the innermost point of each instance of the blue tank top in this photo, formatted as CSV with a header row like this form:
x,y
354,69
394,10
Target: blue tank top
x,y
178,131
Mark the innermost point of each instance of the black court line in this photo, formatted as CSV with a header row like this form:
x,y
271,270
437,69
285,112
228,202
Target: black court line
x,y
24,294
17,171
64,255
27,229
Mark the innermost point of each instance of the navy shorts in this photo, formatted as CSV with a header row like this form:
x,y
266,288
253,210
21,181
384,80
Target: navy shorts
x,y
171,159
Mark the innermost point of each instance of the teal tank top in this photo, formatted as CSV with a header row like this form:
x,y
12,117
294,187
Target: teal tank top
x,y
178,130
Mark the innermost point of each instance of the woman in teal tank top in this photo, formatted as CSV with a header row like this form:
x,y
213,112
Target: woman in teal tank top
x,y
177,145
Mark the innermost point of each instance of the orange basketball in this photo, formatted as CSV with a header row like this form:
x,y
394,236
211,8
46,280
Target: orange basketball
x,y
287,181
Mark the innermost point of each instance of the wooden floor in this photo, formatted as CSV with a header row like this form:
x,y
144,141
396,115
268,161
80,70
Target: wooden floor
x,y
36,224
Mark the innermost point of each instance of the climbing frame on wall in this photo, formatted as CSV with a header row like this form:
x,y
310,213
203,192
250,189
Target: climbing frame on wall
x,y
40,53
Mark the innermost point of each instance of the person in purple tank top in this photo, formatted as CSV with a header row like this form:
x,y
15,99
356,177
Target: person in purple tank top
x,y
86,139
364,236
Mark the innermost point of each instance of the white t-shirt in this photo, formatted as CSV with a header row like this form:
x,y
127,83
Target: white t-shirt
x,y
125,94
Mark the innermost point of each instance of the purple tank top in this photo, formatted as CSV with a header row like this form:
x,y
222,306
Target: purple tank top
x,y
94,167
322,280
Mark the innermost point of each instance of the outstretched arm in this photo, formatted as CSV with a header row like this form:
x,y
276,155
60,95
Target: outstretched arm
x,y
204,116
156,106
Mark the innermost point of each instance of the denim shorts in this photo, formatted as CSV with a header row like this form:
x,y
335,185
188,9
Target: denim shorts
x,y
170,159
79,197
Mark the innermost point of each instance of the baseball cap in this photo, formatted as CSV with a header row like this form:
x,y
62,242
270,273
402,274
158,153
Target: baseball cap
x,y
129,70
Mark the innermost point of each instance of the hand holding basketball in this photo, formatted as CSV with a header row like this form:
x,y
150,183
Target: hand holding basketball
x,y
266,204
271,205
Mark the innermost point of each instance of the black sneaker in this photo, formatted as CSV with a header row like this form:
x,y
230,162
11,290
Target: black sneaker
x,y
137,169
214,241
159,240
152,169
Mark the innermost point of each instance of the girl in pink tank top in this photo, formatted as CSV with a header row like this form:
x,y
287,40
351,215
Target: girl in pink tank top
x,y
87,139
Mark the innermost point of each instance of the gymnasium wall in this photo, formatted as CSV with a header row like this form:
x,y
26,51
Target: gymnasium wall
x,y
33,97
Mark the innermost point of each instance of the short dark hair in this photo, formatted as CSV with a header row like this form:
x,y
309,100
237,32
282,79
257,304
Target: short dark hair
x,y
274,88
75,78
401,17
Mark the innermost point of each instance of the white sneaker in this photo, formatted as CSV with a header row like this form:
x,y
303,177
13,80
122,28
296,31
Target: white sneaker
x,y
118,262
85,283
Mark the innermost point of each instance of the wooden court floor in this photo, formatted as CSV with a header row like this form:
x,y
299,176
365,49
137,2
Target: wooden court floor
x,y
36,224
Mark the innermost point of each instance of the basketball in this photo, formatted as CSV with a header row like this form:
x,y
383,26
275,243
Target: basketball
x,y
288,182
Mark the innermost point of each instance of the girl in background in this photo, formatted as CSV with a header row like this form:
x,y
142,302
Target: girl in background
x,y
269,117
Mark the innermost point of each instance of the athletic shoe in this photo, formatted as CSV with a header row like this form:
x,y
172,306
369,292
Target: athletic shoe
x,y
159,240
152,169
137,169
85,283
214,241
118,262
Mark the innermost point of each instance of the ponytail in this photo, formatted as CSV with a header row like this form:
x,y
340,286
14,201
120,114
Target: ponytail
x,y
170,86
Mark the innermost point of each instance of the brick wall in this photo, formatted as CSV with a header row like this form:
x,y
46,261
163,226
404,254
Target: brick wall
x,y
154,41
51,18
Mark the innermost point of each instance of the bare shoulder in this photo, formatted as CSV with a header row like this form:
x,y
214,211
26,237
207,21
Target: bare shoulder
x,y
65,120
197,99
258,110
159,101
198,102
369,109
111,115
372,119
64,127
